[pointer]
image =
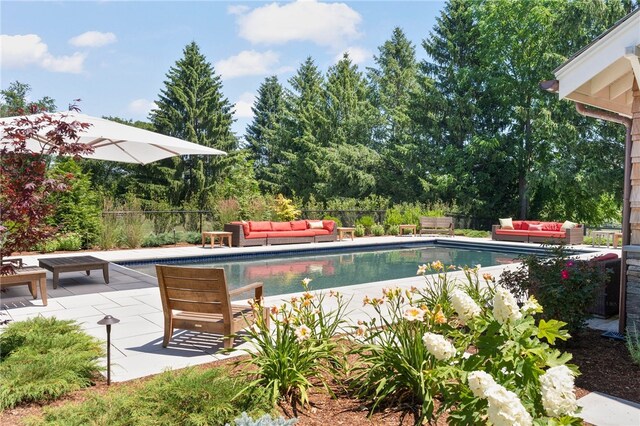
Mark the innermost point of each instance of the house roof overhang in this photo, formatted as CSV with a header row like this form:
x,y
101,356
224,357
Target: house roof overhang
x,y
603,73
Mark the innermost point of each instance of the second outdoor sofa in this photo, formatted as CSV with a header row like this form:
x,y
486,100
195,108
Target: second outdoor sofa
x,y
532,231
260,233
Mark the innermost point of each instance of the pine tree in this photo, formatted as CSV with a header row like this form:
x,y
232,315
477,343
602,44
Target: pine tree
x,y
394,82
262,134
298,138
192,107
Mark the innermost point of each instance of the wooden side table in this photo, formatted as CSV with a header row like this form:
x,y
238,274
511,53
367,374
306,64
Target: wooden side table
x,y
31,276
345,231
220,235
74,264
607,236
412,228
617,236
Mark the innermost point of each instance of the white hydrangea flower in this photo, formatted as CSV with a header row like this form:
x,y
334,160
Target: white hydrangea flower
x,y
438,346
464,305
505,306
531,306
413,314
303,333
505,408
558,398
479,382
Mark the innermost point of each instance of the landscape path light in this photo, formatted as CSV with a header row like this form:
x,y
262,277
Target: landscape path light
x,y
108,320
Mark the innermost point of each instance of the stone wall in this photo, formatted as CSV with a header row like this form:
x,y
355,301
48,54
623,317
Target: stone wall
x,y
633,290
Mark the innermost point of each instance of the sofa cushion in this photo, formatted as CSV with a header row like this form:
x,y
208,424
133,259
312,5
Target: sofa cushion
x,y
568,225
328,225
287,234
506,223
315,224
518,224
551,226
535,227
260,226
320,231
245,227
605,257
256,234
527,223
547,234
280,226
518,232
298,225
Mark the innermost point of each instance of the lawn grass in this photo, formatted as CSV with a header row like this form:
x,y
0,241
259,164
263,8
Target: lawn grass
x,y
192,396
42,359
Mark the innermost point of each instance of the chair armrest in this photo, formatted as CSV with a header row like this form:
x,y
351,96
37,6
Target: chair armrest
x,y
257,286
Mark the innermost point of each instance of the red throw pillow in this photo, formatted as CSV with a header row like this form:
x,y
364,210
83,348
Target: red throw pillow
x,y
519,224
281,226
298,225
328,225
260,226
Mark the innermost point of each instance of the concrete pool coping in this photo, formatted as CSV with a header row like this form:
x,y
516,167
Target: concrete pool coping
x,y
133,298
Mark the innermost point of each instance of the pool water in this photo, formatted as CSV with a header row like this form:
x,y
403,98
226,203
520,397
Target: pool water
x,y
282,275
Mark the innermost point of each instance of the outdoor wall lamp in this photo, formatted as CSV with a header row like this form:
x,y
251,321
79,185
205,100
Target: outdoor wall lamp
x,y
108,320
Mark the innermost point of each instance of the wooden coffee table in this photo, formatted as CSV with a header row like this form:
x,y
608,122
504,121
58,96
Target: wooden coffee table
x,y
74,264
412,228
345,231
31,276
220,235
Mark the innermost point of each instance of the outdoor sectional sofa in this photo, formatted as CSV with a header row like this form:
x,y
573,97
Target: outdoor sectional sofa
x,y
260,233
540,232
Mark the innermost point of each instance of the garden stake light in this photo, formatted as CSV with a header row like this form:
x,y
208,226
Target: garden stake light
x,y
108,320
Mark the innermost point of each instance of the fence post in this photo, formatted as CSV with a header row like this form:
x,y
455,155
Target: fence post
x,y
201,221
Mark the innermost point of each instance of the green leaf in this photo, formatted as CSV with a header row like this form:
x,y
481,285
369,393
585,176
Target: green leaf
x,y
552,330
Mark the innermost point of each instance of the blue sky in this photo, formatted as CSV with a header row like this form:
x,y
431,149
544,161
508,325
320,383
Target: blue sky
x,y
114,55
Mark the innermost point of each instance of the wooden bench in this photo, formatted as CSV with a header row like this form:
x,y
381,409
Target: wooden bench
x,y
436,225
74,264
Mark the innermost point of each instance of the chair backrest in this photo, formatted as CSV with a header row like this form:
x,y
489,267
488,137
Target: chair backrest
x,y
202,290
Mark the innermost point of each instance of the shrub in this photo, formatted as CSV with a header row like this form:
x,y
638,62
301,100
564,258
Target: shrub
x,y
42,359
110,230
564,286
393,229
154,240
78,208
367,222
359,231
472,233
300,348
69,242
191,237
377,230
187,397
228,210
48,246
284,209
133,222
488,361
633,343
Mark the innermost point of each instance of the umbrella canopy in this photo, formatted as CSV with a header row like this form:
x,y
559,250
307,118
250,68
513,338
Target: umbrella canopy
x,y
114,141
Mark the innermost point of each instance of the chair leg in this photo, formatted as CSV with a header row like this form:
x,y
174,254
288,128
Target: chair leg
x,y
228,342
168,332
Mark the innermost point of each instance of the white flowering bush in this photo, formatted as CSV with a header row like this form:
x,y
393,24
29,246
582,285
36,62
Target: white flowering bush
x,y
484,358
300,345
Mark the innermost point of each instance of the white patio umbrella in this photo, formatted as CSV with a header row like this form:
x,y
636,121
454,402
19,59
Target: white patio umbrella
x,y
117,142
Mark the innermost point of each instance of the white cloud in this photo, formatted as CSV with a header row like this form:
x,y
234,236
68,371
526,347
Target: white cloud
x,y
141,107
358,55
93,39
247,62
237,9
243,105
326,24
20,51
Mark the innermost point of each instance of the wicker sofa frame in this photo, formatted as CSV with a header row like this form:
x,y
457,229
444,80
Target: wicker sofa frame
x,y
572,236
238,238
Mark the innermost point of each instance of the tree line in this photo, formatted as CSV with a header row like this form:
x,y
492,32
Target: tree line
x,y
468,127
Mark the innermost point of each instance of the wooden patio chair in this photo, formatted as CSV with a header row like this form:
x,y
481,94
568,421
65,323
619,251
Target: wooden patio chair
x,y
198,299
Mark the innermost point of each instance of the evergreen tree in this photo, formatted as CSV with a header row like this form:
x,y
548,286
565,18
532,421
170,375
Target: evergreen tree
x,y
298,138
262,134
192,107
14,101
394,82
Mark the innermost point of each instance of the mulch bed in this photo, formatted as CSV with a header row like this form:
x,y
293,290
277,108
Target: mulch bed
x,y
605,365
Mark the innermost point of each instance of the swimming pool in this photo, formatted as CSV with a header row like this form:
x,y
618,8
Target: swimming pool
x,y
282,274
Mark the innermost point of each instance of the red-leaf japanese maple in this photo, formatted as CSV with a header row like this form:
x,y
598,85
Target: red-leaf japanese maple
x,y
24,184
